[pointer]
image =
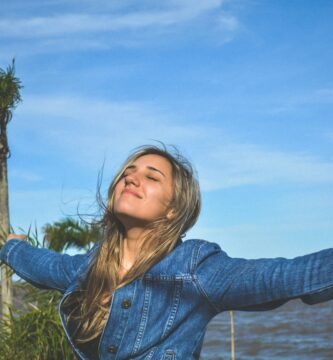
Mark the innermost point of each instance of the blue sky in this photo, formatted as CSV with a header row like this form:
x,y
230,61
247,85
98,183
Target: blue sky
x,y
243,88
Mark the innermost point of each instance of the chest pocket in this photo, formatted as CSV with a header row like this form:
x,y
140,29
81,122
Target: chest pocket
x,y
161,301
162,296
169,355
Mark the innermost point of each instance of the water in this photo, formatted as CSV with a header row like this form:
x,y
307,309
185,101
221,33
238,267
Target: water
x,y
294,331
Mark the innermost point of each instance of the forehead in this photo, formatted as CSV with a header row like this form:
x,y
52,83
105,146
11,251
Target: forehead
x,y
157,161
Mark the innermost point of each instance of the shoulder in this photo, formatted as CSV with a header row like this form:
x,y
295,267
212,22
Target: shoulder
x,y
201,247
189,254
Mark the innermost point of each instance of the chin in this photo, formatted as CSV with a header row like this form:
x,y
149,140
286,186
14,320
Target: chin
x,y
129,220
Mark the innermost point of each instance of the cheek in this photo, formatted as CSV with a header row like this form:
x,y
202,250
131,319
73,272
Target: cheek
x,y
117,195
161,200
119,188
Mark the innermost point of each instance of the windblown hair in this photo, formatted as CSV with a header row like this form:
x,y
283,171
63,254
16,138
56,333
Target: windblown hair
x,y
91,305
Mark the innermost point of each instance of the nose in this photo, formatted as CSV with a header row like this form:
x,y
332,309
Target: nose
x,y
132,179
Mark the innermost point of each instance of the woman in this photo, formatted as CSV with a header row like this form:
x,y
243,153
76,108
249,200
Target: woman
x,y
143,293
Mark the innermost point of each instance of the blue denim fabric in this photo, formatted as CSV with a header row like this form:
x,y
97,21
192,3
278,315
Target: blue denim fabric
x,y
163,315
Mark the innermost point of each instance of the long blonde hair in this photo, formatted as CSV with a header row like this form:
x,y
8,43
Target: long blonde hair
x,y
90,304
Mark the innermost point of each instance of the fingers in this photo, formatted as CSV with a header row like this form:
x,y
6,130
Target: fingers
x,y
16,236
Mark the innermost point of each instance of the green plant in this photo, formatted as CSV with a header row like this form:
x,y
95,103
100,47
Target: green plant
x,y
34,331
68,232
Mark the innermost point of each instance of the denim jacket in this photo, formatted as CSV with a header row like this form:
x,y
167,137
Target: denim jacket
x,y
163,314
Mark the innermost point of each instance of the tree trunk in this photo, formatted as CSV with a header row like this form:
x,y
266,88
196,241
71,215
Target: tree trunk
x,y
6,283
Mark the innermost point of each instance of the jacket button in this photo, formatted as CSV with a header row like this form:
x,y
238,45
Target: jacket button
x,y
126,304
112,349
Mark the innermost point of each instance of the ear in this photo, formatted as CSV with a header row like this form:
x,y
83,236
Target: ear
x,y
171,214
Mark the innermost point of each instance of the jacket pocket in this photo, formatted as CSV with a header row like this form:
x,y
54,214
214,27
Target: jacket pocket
x,y
169,355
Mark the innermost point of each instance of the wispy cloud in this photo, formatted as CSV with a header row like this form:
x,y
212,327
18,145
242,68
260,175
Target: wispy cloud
x,y
87,130
80,23
248,164
227,22
45,205
297,100
71,23
133,19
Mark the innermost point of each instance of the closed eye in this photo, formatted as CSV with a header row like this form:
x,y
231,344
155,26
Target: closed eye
x,y
152,178
126,173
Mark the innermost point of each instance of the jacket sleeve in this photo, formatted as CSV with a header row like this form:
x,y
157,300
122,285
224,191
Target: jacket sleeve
x,y
262,284
41,267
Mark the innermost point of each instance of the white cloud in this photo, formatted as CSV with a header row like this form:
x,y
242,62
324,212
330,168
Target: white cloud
x,y
87,130
37,206
177,12
289,102
78,23
286,240
228,22
247,164
105,25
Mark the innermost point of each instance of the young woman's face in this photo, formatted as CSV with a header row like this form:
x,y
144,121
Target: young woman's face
x,y
144,192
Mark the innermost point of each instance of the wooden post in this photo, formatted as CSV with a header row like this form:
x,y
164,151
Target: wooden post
x,y
232,335
6,281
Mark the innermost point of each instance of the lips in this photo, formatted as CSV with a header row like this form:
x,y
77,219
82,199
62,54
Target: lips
x,y
131,192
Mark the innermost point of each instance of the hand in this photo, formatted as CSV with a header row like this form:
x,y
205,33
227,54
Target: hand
x,y
16,236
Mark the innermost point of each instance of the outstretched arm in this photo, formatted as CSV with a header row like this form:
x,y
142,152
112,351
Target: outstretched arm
x,y
262,284
41,267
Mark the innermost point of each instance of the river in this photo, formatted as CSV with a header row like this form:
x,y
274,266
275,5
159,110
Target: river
x,y
293,331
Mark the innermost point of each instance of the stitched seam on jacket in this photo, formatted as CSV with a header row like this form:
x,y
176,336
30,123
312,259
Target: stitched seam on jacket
x,y
12,248
194,258
196,280
68,278
144,317
205,296
175,305
28,278
25,275
151,353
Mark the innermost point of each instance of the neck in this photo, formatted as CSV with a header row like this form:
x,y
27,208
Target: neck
x,y
133,240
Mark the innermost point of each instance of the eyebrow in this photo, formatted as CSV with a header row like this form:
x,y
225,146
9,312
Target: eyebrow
x,y
134,167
